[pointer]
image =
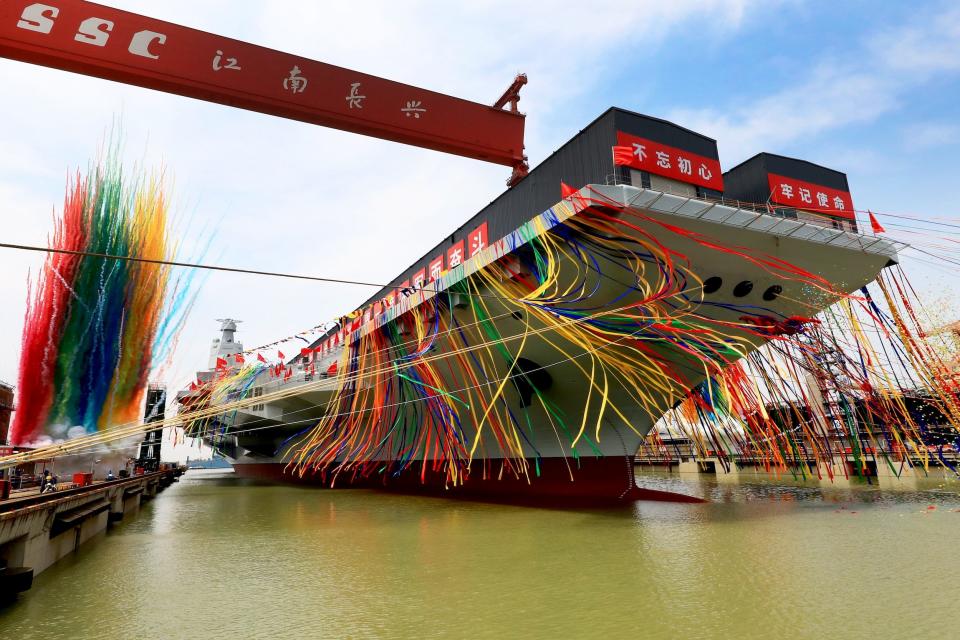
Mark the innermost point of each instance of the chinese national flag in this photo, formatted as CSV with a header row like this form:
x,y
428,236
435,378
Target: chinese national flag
x,y
875,224
193,386
332,369
566,191
280,355
305,351
261,358
239,358
622,156
221,363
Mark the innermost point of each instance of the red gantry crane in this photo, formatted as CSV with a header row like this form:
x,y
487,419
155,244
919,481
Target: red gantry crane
x,y
104,42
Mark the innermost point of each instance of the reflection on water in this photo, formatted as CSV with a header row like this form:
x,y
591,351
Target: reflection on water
x,y
218,557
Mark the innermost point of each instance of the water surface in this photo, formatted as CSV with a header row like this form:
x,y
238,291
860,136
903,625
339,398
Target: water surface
x,y
219,557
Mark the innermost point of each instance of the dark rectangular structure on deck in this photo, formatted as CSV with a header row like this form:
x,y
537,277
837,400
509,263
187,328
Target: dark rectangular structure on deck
x,y
587,158
664,157
791,185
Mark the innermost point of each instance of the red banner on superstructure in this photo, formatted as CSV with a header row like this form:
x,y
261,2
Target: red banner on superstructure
x,y
435,268
670,162
478,239
419,278
455,255
810,197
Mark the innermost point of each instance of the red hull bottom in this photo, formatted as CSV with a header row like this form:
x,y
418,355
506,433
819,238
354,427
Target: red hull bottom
x,y
594,481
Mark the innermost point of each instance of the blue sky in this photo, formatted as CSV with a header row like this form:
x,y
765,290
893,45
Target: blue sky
x,y
867,88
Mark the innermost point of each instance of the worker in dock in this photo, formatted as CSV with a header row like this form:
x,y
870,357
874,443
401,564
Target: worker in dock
x,y
49,482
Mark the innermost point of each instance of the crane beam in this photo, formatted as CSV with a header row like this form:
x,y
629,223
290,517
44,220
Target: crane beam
x,y
101,41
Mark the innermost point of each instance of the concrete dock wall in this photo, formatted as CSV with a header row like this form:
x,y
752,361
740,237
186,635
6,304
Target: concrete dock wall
x,y
38,530
733,470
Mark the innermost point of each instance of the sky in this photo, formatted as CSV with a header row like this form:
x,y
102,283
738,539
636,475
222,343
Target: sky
x,y
869,89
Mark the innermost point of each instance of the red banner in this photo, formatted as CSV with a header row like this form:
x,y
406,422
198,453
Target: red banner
x,y
671,162
436,267
418,278
455,255
83,37
478,239
810,197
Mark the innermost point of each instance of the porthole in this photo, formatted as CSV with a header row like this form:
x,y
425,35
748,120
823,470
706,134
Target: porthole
x,y
743,288
772,293
712,284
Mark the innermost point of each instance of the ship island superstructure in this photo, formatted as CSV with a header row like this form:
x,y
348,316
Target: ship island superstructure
x,y
789,211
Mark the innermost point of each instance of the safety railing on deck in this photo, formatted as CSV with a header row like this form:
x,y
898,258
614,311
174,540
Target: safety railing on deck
x,y
770,209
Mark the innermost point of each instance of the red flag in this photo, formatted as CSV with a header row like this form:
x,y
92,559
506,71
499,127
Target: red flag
x,y
287,373
193,386
306,351
280,355
239,358
221,363
622,156
261,358
332,369
566,191
875,224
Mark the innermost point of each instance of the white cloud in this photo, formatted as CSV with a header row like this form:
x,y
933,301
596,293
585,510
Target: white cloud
x,y
873,79
926,135
931,45
831,97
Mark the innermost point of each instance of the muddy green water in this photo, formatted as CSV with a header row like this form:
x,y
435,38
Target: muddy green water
x,y
218,557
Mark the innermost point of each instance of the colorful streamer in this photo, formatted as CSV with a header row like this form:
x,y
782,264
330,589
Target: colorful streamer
x,y
607,295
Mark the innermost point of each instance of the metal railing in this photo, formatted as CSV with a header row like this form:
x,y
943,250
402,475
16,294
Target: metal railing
x,y
791,213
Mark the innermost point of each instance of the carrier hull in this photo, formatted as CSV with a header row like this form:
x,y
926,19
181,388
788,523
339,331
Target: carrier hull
x,y
549,462
560,481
